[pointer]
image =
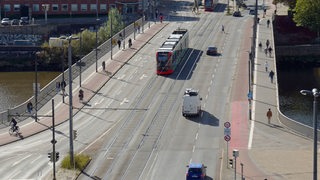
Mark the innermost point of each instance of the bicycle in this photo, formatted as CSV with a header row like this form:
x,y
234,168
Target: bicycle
x,y
16,130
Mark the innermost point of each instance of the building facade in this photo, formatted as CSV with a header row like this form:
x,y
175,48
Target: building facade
x,y
32,8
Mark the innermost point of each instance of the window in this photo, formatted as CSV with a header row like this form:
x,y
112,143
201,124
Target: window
x,y
112,6
74,7
103,8
16,7
7,7
64,7
35,8
84,7
93,7
55,7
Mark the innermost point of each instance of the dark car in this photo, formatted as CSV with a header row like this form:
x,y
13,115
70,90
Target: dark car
x,y
237,14
196,171
252,11
212,50
24,20
15,22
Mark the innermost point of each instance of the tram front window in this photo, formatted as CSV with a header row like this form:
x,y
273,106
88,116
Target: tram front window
x,y
162,59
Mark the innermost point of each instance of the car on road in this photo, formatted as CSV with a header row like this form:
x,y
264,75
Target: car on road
x,y
252,11
24,20
237,14
15,22
212,50
196,171
5,21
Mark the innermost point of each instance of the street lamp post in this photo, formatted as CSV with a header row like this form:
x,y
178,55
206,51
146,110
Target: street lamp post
x,y
80,65
97,44
315,93
36,87
69,39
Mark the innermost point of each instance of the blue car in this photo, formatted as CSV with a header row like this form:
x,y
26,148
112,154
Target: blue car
x,y
196,171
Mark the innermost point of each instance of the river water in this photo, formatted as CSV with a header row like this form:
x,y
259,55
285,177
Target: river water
x,y
17,87
292,103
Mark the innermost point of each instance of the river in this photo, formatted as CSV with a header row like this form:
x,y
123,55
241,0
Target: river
x,y
293,104
17,87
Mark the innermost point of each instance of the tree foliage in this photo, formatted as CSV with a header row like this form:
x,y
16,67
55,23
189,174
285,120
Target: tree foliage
x,y
307,14
86,42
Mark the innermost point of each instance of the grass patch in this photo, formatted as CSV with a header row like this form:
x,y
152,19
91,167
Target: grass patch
x,y
80,161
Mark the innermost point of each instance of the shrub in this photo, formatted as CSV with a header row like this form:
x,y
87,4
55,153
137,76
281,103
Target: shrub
x,y
80,161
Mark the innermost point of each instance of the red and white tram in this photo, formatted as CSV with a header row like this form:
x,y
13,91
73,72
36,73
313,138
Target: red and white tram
x,y
172,51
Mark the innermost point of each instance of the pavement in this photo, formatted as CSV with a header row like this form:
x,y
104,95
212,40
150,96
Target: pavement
x,y
273,151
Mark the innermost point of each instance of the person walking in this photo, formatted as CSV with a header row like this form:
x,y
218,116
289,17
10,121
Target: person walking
x,y
267,43
29,107
269,115
270,51
81,95
266,51
268,23
271,74
130,42
222,28
63,87
266,65
119,43
104,66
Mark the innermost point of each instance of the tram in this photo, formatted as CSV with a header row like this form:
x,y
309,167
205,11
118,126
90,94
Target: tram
x,y
209,5
171,52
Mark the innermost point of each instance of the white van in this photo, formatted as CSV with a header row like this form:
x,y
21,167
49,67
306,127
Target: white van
x,y
191,103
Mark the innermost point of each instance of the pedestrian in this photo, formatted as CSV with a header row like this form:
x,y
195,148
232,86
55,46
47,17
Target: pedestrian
x,y
271,75
57,86
161,17
266,65
63,86
258,20
222,28
267,43
266,51
80,95
269,115
268,23
120,35
29,107
270,51
157,13
104,66
130,42
119,43
260,45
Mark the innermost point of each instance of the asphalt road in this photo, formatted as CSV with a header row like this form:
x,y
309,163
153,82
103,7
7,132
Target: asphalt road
x,y
133,127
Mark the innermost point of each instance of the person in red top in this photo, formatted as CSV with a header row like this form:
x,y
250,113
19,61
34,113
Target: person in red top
x,y
269,115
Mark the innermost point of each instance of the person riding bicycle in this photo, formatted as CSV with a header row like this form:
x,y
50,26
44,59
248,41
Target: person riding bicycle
x,y
14,124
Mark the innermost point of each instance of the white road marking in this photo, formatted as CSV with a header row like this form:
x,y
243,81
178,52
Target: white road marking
x,y
143,76
99,102
125,100
20,160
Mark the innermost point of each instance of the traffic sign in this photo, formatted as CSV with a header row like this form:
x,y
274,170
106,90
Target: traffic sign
x,y
227,124
227,131
227,138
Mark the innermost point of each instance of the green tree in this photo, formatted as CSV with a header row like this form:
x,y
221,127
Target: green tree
x,y
307,14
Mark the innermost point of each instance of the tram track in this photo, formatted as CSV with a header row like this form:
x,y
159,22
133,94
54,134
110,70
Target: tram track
x,y
121,148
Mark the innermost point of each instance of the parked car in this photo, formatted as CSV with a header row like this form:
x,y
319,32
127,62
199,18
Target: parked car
x,y
5,21
24,20
15,22
252,11
212,50
196,171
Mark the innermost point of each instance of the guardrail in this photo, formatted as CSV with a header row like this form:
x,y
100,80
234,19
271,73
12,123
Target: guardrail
x,y
49,91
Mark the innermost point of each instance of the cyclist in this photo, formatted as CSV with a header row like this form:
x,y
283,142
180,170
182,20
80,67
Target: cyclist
x,y
14,124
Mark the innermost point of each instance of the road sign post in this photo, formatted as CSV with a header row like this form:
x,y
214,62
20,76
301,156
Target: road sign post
x,y
227,137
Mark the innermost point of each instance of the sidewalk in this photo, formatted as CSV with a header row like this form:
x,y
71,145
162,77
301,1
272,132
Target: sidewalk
x,y
91,85
275,150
